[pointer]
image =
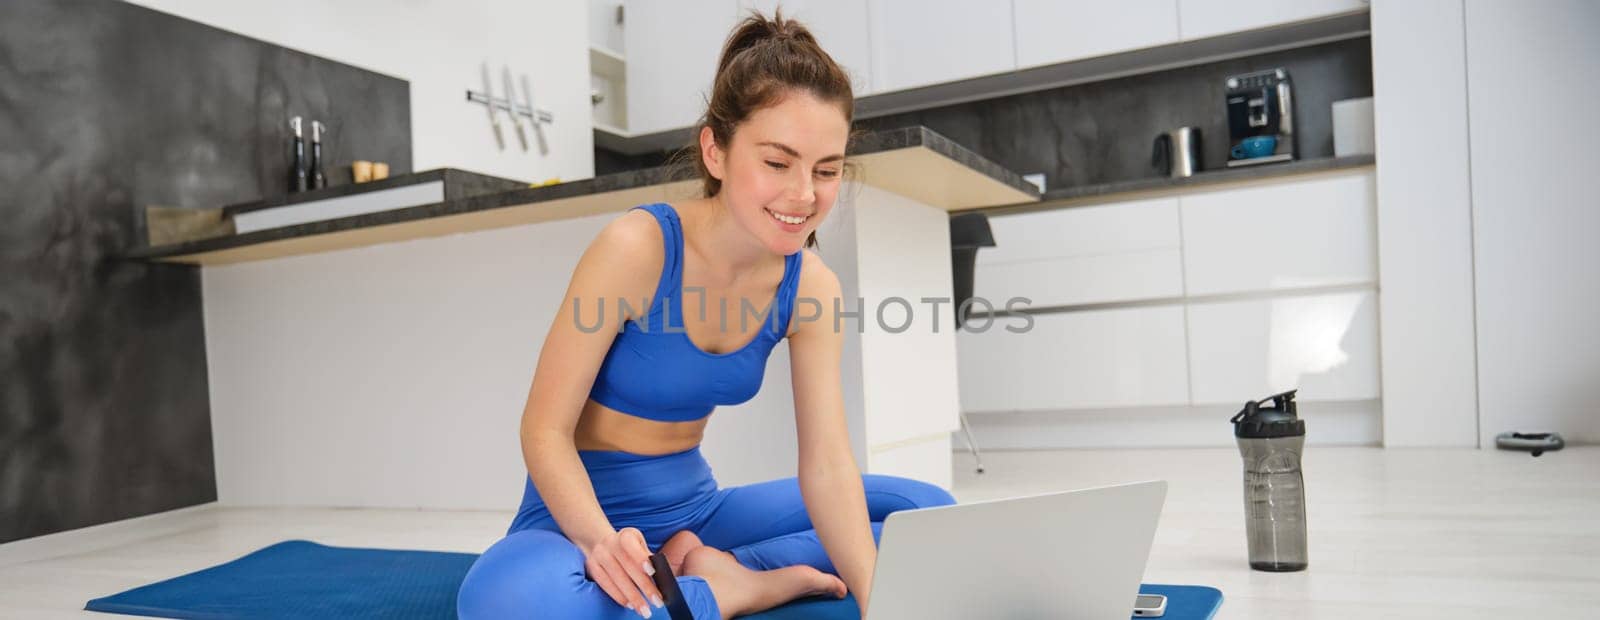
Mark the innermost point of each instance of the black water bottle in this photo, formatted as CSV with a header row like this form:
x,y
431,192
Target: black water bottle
x,y
1270,441
318,180
297,164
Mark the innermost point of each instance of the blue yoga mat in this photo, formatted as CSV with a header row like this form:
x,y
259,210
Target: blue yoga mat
x,y
303,579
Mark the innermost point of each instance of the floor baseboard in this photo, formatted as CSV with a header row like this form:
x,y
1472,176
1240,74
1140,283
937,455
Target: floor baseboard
x,y
104,535
1338,423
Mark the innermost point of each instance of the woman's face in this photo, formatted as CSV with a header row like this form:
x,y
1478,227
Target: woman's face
x,y
785,160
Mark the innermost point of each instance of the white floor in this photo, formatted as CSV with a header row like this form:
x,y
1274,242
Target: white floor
x,y
1394,533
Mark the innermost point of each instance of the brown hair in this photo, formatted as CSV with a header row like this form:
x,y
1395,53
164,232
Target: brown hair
x,y
762,61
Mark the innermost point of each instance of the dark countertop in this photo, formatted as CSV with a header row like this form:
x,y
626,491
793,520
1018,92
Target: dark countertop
x,y
1101,192
457,184
865,144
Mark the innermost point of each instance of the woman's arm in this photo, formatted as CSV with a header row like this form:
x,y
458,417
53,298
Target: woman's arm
x,y
830,481
614,266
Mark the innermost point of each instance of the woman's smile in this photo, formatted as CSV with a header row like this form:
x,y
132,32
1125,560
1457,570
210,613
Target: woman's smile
x,y
789,223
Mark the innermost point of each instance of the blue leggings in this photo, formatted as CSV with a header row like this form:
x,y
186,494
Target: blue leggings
x,y
765,525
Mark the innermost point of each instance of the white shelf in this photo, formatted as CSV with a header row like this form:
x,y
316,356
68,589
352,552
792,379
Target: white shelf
x,y
606,63
608,71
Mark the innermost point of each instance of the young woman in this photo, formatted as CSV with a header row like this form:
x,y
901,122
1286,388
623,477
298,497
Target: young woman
x,y
621,397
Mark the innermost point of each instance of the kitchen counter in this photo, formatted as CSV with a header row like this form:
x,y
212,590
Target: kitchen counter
x,y
1102,193
457,184
914,162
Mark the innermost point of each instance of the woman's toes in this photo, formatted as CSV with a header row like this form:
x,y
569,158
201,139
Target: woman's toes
x,y
814,582
832,585
701,559
678,546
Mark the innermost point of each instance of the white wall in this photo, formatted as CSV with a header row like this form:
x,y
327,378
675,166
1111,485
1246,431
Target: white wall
x,y
439,47
1424,224
1536,214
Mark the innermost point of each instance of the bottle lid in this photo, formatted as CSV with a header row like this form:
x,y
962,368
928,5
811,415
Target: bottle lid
x,y
1281,419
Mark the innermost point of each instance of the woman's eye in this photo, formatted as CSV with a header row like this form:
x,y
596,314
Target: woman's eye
x,y
826,174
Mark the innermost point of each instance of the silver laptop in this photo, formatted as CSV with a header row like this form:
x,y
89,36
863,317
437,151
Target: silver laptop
x,y
1077,555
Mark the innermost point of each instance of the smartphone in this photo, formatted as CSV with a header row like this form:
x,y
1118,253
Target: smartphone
x,y
1150,605
667,583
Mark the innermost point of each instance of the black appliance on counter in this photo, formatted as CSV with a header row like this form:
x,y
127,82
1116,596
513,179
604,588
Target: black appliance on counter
x,y
1260,104
968,232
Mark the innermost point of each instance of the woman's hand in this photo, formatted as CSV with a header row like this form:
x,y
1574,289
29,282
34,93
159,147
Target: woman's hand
x,y
620,563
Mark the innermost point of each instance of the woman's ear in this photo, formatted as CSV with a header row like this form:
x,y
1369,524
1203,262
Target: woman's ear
x,y
710,154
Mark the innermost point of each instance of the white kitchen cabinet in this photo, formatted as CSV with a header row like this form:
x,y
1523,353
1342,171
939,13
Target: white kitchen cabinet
x,y
840,27
1280,236
1206,18
672,58
1326,346
1069,360
1053,31
1106,253
922,42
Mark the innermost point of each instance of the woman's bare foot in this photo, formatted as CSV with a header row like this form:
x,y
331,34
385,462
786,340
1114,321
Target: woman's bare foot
x,y
740,591
677,547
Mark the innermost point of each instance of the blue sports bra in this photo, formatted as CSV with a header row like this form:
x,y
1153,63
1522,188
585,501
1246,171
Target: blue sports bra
x,y
656,372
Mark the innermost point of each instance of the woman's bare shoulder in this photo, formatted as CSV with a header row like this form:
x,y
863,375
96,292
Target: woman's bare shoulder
x,y
623,259
634,232
815,293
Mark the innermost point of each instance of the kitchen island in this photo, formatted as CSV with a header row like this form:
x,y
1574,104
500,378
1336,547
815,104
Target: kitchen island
x,y
384,358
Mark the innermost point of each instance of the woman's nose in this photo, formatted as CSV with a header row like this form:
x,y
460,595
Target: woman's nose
x,y
805,190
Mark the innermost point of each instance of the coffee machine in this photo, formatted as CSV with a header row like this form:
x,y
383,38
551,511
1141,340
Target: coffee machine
x,y
1260,104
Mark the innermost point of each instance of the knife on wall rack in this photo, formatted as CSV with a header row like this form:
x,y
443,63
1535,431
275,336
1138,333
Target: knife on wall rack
x,y
512,109
511,95
488,100
537,116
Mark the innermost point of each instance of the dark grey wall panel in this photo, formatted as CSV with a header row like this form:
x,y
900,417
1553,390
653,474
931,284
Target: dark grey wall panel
x,y
105,108
1101,132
